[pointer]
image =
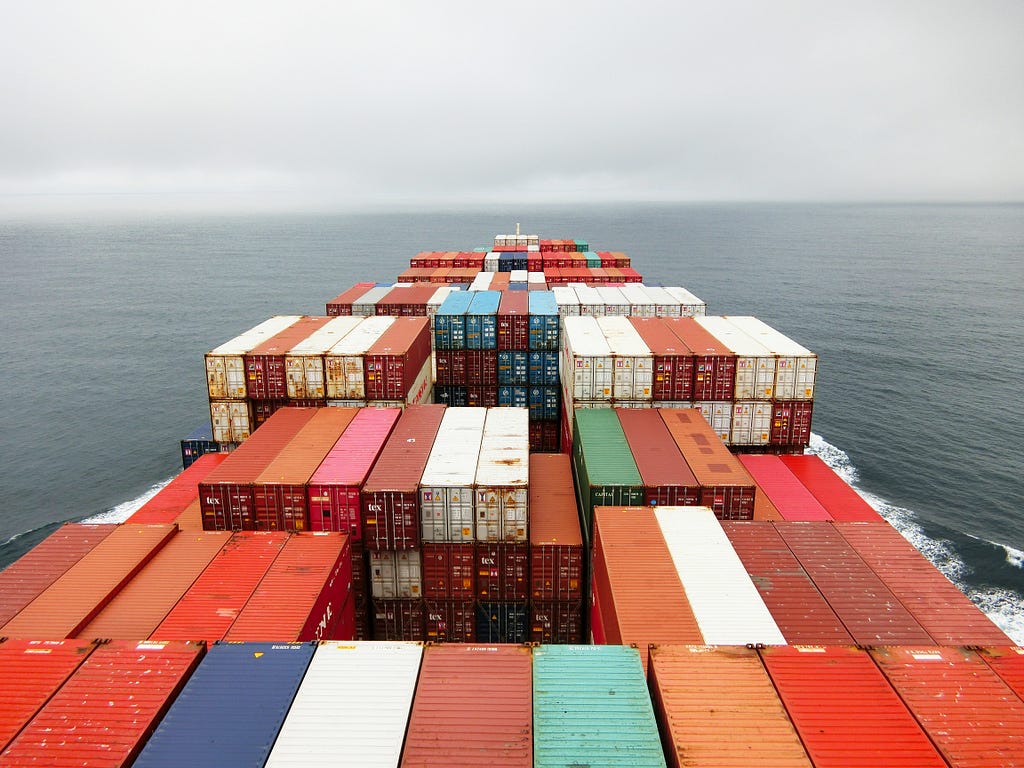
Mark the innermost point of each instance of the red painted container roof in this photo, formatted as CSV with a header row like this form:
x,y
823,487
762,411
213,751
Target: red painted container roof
x,y
175,497
842,502
404,457
473,707
696,338
554,519
299,457
353,455
788,494
659,337
280,343
1008,663
514,303
245,463
353,293
710,461
656,454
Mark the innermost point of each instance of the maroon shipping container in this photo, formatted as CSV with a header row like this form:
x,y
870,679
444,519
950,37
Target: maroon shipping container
x,y
406,301
1008,663
265,373
449,621
448,571
473,707
482,397
226,494
175,497
791,423
104,713
451,366
396,359
279,491
832,492
556,544
789,496
667,477
29,576
32,671
545,436
556,621
803,616
937,605
482,368
514,320
390,497
398,619
714,364
502,571
342,303
969,713
333,489
673,360
868,609
845,711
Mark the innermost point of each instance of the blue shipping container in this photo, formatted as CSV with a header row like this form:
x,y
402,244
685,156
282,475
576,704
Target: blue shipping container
x,y
197,443
232,708
518,286
450,321
501,623
514,397
513,367
544,402
482,320
543,321
543,369
451,395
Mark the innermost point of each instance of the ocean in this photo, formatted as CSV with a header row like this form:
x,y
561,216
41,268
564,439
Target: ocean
x,y
913,310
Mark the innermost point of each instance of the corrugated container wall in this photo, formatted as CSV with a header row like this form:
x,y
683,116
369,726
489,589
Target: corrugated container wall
x,y
304,363
606,473
345,364
502,477
447,484
225,364
265,373
556,544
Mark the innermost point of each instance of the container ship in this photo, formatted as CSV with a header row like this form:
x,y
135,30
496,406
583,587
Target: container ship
x,y
516,508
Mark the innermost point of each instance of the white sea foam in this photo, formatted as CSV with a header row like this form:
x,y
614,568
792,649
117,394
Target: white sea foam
x,y
1003,606
126,509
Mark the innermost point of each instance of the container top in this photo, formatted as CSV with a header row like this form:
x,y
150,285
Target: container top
x,y
733,338
456,451
400,338
623,339
776,341
543,302
323,339
484,303
456,303
583,337
352,457
363,336
280,343
255,336
405,454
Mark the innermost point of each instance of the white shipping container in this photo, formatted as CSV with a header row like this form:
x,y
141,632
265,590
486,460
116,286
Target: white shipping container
x,y
796,366
344,364
503,475
585,363
535,277
664,304
396,574
591,302
631,357
225,364
726,604
304,363
518,276
615,302
689,305
640,303
755,364
717,413
751,422
366,305
482,281
231,420
354,700
567,300
533,247
447,483
491,262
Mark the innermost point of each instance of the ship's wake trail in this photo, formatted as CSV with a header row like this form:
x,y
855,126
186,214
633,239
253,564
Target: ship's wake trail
x,y
126,509
1004,606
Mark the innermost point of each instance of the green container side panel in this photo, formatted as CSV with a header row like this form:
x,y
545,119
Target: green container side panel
x,y
606,473
591,706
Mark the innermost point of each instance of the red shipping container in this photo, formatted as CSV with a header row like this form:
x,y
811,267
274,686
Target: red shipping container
x,y
104,713
81,592
265,372
666,475
208,609
333,490
1008,663
791,423
970,714
868,609
27,577
545,437
832,492
790,497
32,671
482,368
175,497
396,359
448,571
390,497
303,593
514,320
714,364
502,571
449,621
595,622
673,360
945,612
406,301
398,620
451,366
556,622
342,303
803,616
279,491
844,709
473,707
226,493
556,544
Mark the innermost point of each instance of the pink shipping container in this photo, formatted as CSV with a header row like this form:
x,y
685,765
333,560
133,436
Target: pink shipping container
x,y
342,303
333,489
473,707
390,496
714,364
396,359
667,477
514,320
449,621
448,571
556,544
399,620
175,497
832,492
105,712
265,371
785,491
502,571
673,360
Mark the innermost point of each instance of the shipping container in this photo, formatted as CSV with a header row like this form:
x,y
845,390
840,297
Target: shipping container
x,y
450,321
396,574
543,322
171,500
591,706
265,372
556,544
502,622
502,571
664,304
755,364
750,424
450,365
107,709
714,364
566,300
80,593
1008,663
399,619
366,305
448,480
791,424
542,369
406,301
209,607
448,571
672,361
787,493
437,299
689,305
482,320
799,609
844,710
513,367
605,471
718,707
587,366
631,357
200,442
304,363
231,421
473,707
502,477
342,303
556,621
481,368
334,488
841,501
232,708
615,302
449,620
514,321
796,366
345,362
666,476
396,359
225,364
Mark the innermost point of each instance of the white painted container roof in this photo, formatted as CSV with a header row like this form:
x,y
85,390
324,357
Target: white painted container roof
x,y
439,296
589,296
684,296
372,296
660,295
326,337
584,337
565,296
505,448
774,340
743,344
636,295
456,451
622,338
518,276
255,336
612,296
363,336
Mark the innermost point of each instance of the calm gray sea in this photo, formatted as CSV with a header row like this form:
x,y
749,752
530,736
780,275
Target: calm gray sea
x,y
915,312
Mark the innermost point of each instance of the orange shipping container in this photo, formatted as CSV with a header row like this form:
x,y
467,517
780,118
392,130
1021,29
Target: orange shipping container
x,y
178,494
556,544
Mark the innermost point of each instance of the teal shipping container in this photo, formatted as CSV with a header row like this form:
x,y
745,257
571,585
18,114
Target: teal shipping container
x,y
591,706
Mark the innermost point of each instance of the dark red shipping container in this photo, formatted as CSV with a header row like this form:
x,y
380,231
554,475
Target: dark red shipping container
x,y
32,671
502,571
714,364
451,366
482,368
514,320
449,621
399,619
803,616
545,436
30,575
396,359
673,360
264,365
791,423
556,622
482,397
832,492
448,571
790,497
945,612
1008,663
406,301
342,303
556,544
390,497
868,609
667,477
104,713
175,497
333,490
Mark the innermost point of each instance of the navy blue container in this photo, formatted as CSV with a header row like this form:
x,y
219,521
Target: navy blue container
x,y
501,623
450,321
513,367
543,369
482,320
544,403
197,443
452,395
232,708
543,321
513,397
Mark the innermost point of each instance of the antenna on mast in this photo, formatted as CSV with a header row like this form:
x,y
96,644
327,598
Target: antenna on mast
x,y
517,229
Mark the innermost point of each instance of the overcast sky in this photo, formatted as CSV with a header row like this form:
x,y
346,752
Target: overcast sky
x,y
287,103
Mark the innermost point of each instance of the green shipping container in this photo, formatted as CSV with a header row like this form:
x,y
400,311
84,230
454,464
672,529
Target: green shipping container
x,y
606,473
591,706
